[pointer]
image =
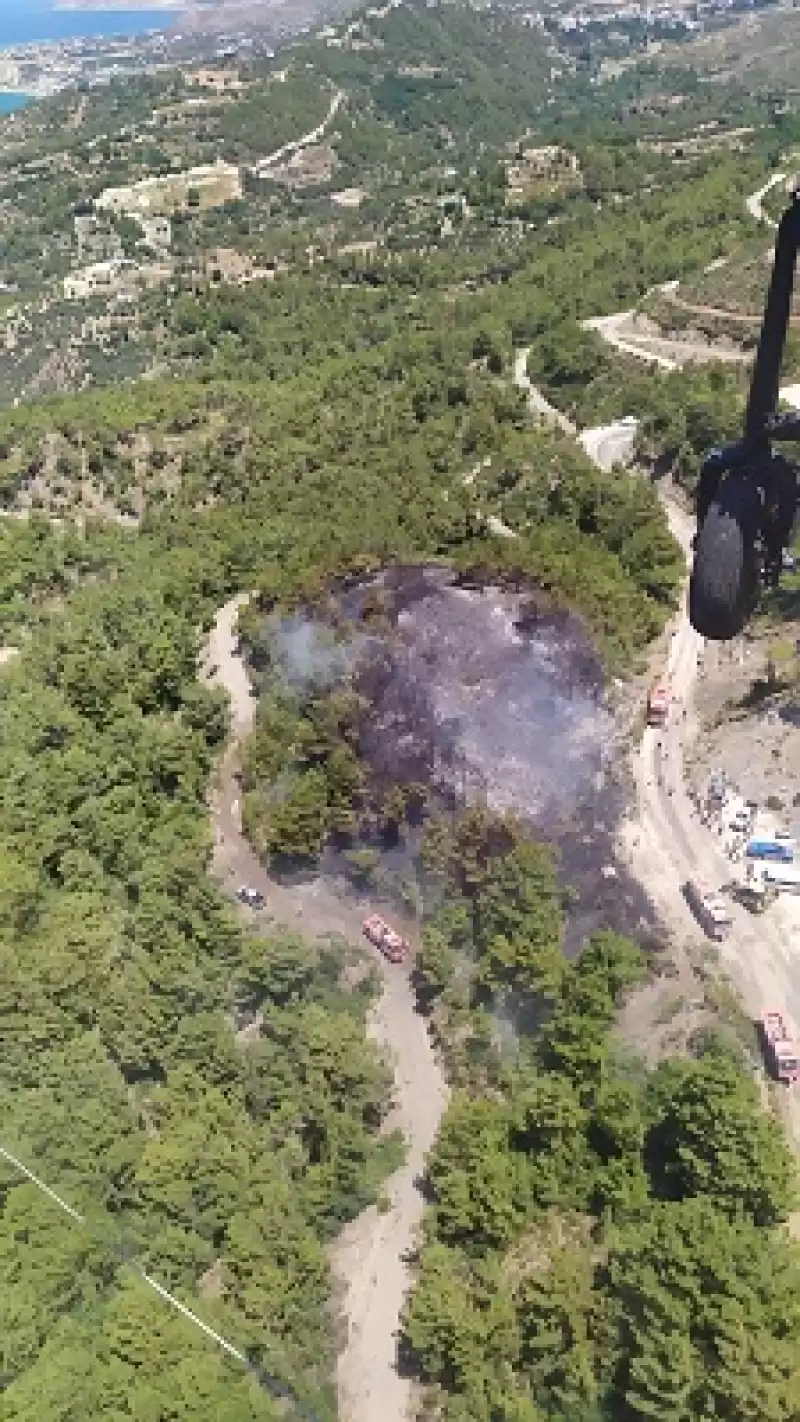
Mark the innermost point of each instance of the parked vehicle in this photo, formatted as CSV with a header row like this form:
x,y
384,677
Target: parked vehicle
x,y
781,850
780,878
251,897
391,944
658,705
755,893
709,908
780,1048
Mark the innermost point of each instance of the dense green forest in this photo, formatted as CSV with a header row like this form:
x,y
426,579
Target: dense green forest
x,y
413,370
225,1163
600,1243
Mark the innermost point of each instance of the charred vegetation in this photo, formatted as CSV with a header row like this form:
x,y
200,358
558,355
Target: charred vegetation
x,y
399,702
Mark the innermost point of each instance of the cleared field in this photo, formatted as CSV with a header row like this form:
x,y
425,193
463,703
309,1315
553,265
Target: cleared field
x,y
762,47
208,186
730,292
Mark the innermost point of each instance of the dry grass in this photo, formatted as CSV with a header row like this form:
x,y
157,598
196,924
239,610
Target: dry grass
x,y
761,47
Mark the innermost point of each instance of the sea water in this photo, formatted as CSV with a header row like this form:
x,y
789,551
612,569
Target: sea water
x,y
21,23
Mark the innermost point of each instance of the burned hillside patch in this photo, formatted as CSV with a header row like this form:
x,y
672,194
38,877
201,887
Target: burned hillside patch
x,y
413,696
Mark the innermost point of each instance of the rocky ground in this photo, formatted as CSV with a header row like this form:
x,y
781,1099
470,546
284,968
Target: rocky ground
x,y
754,740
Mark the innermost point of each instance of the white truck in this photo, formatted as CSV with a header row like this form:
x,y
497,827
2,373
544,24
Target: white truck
x,y
767,875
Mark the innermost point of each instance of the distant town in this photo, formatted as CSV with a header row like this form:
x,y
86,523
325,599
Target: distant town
x,y
48,67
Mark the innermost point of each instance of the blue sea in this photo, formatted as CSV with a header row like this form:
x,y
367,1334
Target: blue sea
x,y
23,24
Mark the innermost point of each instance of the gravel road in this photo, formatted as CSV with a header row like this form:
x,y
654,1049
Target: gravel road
x,y
369,1258
610,445
633,334
370,1253
538,404
287,150
667,843
628,333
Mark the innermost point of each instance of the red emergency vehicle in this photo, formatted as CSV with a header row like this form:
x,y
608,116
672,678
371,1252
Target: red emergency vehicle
x,y
658,704
780,1047
391,944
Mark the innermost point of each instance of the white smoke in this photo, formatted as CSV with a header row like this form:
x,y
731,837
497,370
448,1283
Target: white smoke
x,y
310,655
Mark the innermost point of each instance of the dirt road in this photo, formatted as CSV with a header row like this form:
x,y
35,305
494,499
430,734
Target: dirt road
x,y
606,445
287,150
635,335
610,445
370,1253
667,843
369,1258
537,402
670,354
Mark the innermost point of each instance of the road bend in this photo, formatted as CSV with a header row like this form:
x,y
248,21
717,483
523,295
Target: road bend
x,y
370,1257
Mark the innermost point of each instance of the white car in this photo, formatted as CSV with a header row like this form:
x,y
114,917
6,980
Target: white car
x,y
251,897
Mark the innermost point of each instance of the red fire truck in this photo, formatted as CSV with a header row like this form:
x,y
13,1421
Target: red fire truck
x,y
657,704
391,944
780,1048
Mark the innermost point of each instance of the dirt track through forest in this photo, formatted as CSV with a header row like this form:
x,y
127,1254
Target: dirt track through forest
x,y
370,1257
664,843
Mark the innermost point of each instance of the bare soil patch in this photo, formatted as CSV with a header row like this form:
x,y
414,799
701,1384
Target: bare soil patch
x,y
750,733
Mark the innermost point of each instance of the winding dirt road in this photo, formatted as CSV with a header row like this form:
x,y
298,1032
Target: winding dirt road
x,y
664,840
370,1256
623,333
538,404
295,145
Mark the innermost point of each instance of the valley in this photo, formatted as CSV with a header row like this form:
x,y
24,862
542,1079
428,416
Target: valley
x,y
348,442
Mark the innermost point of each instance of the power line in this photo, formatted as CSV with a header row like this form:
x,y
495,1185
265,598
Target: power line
x,y
152,1283
272,1385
